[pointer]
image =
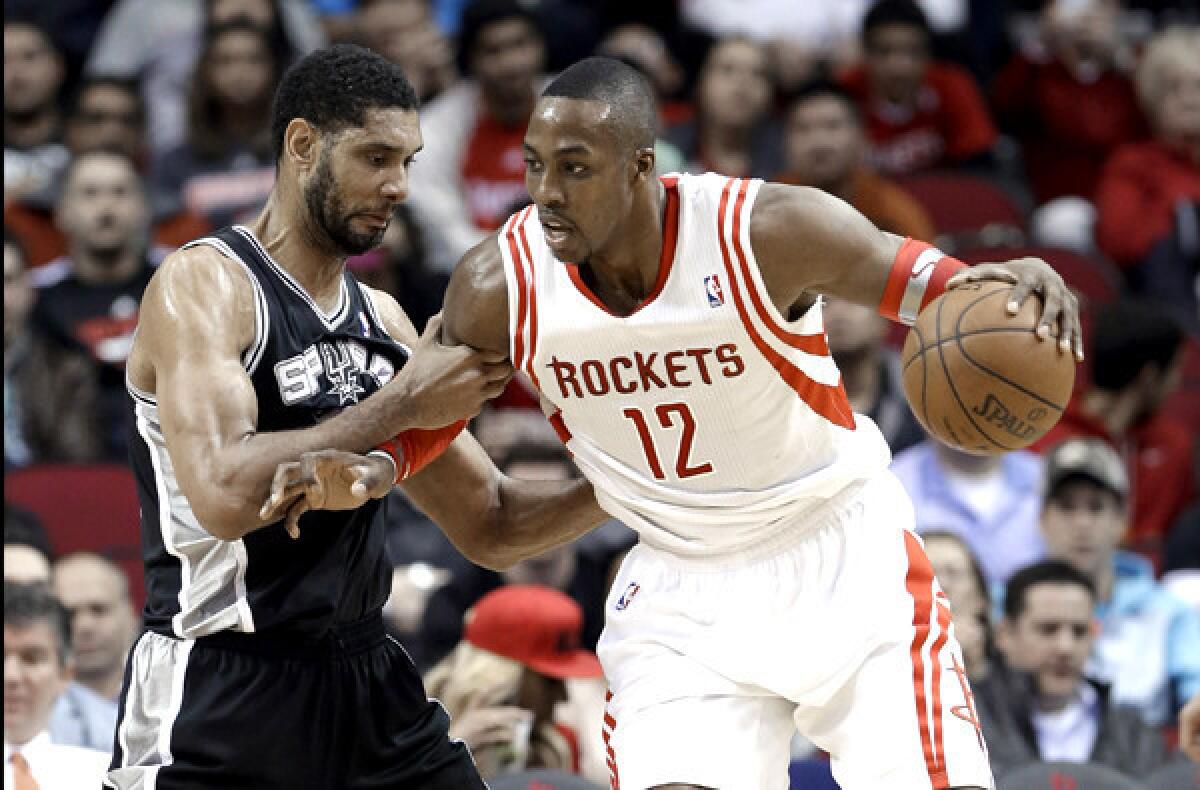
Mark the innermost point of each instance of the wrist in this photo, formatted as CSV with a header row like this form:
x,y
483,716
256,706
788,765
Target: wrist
x,y
386,457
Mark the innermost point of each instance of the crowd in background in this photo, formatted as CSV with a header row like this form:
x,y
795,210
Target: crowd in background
x,y
1068,129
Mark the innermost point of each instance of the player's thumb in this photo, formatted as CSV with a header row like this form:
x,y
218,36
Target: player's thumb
x,y
368,484
433,330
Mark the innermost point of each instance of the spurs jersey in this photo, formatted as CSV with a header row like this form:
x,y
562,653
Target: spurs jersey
x,y
704,419
305,366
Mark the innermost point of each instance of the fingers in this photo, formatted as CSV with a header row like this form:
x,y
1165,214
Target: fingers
x,y
1017,296
1052,307
292,521
981,272
283,491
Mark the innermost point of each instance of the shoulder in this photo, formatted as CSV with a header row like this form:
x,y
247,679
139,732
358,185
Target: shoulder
x,y
395,320
476,307
202,272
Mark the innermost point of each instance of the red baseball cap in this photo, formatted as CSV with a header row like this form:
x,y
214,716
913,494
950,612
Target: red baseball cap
x,y
536,626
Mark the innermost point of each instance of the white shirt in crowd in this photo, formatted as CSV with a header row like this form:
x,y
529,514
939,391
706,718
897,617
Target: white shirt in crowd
x,y
57,767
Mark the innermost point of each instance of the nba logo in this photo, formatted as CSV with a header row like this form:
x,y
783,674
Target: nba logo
x,y
712,287
627,596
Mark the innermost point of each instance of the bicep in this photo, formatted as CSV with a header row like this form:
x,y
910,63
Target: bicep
x,y
475,312
194,324
807,241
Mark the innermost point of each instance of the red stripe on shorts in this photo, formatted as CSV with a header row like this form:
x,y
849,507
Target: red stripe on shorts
x,y
919,583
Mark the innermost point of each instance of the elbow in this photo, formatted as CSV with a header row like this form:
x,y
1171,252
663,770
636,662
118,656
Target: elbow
x,y
226,520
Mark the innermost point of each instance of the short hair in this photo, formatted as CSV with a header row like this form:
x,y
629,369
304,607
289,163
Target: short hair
x,y
26,605
620,86
481,13
126,84
332,88
1129,335
1168,50
106,153
895,12
23,527
822,88
1016,593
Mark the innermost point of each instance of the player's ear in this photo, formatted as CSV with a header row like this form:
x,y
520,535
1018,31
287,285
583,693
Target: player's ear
x,y
643,162
300,143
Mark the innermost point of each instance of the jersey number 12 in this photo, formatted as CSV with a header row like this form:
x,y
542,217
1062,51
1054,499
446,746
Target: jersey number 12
x,y
666,417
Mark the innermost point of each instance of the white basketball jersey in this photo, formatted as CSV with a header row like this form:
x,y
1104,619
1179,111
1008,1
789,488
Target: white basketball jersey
x,y
704,419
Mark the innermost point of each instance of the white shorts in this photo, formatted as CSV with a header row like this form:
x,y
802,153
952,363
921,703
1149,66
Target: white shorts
x,y
841,632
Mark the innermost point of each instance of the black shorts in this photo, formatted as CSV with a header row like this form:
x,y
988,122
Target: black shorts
x,y
249,711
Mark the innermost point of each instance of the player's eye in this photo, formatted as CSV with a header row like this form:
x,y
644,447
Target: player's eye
x,y
532,164
574,168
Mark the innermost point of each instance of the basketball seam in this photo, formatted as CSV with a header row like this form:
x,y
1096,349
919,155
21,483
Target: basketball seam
x,y
924,377
958,339
950,381
972,333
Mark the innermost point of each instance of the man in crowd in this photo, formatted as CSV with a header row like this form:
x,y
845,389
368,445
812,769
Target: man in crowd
x,y
1038,705
33,76
37,668
1148,646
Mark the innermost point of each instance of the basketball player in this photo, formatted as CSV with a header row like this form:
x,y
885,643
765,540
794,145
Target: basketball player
x,y
265,663
673,328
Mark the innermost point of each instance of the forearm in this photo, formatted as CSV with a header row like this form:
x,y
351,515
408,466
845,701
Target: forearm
x,y
536,516
236,476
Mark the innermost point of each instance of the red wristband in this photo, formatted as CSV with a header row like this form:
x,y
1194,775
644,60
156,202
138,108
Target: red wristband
x,y
919,274
412,450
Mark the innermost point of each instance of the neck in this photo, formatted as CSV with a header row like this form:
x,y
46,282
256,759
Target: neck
x,y
721,143
507,111
861,376
287,232
99,268
106,683
1104,578
28,130
628,271
1116,411
1049,703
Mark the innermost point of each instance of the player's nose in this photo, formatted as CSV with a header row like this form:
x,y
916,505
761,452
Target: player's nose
x,y
395,188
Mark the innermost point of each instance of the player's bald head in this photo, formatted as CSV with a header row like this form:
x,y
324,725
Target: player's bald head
x,y
632,115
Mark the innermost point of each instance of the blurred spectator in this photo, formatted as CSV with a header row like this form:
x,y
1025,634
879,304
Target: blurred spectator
x,y
103,624
27,550
870,370
962,580
580,569
1136,353
37,668
404,32
991,502
1037,704
645,49
50,391
96,593
400,267
226,168
733,131
33,77
1148,646
158,42
1143,183
472,169
1068,99
502,683
824,148
106,115
88,300
919,114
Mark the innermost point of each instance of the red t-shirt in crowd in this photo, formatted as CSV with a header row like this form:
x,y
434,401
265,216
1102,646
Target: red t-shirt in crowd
x,y
1158,459
493,171
1067,127
949,123
1136,198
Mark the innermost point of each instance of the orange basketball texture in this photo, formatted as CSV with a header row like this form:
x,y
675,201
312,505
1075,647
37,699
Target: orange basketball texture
x,y
978,378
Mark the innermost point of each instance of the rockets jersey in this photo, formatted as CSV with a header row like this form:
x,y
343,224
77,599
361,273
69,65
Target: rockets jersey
x,y
305,366
704,420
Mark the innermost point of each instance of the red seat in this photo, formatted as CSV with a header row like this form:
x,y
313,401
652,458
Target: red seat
x,y
85,508
967,210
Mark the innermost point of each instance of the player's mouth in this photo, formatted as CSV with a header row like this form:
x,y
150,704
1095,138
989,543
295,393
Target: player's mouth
x,y
378,221
555,230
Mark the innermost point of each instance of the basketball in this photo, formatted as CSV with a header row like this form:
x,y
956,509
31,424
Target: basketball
x,y
978,378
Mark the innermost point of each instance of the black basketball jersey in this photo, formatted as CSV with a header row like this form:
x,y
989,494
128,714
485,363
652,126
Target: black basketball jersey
x,y
305,366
